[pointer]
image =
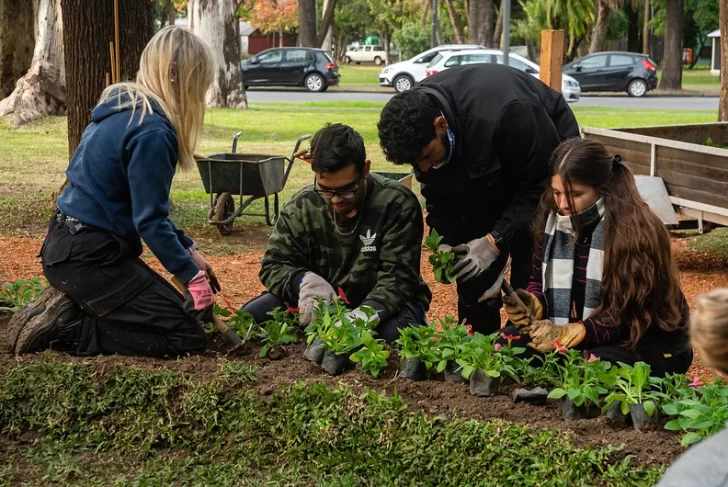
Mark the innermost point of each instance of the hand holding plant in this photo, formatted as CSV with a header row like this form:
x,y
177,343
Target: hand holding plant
x,y
441,260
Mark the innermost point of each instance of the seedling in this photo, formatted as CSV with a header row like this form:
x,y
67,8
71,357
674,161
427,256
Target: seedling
x,y
418,343
441,261
450,339
633,391
700,416
481,353
581,380
20,292
372,356
276,333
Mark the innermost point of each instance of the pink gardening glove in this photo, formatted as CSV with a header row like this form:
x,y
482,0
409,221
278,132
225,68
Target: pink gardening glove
x,y
199,298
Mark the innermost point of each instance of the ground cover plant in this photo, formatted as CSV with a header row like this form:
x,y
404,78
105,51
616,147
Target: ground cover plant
x,y
13,295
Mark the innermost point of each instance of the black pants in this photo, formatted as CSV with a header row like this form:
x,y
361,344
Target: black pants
x,y
128,308
485,317
663,356
412,314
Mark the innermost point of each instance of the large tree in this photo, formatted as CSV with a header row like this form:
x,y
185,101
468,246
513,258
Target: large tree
x,y
88,29
307,23
723,106
672,53
216,23
40,91
599,33
480,22
17,41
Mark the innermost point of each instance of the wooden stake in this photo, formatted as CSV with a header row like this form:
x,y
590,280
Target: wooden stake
x,y
112,56
552,56
108,79
116,41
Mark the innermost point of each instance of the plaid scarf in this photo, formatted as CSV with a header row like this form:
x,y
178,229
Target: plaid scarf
x,y
558,263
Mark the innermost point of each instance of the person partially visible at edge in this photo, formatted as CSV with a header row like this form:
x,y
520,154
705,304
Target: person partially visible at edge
x,y
479,138
103,299
604,279
704,464
350,229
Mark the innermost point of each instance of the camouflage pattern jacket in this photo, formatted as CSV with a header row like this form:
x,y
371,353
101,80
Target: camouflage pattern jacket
x,y
377,265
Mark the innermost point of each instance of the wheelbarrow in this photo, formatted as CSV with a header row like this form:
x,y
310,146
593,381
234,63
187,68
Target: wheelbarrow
x,y
249,176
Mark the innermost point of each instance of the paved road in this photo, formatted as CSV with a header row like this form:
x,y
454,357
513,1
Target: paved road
x,y
648,102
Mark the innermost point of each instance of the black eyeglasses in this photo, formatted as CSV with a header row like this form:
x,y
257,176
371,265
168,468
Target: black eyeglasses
x,y
329,194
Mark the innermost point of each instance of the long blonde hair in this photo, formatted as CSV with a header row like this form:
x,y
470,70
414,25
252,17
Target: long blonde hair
x,y
709,329
175,71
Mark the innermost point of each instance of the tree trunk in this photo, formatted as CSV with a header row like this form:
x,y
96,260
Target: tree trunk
x,y
498,39
171,13
599,33
17,25
327,22
306,23
646,29
702,39
723,105
215,22
633,28
480,22
672,52
454,21
88,29
385,38
41,91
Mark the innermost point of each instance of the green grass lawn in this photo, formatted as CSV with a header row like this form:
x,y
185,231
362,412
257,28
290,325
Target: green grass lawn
x,y
362,74
35,156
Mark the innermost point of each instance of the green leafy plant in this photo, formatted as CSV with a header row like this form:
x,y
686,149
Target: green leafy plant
x,y
441,261
481,352
239,321
20,292
700,413
278,331
449,341
419,343
581,379
631,386
372,356
339,333
325,316
539,370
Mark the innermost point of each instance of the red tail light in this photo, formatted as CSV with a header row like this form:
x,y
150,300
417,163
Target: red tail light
x,y
432,72
649,64
331,66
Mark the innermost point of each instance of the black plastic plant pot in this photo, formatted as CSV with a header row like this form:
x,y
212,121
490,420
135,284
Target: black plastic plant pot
x,y
413,369
336,364
535,397
640,419
315,350
483,385
452,373
616,417
573,412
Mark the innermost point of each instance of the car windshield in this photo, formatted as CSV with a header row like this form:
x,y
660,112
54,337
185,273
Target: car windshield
x,y
435,60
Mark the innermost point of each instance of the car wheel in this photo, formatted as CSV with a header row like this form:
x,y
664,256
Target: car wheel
x,y
637,88
358,62
402,83
348,60
326,87
315,82
378,61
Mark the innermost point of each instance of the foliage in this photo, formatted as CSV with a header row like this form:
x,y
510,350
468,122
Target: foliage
x,y
450,340
700,413
270,16
278,331
481,352
13,295
419,343
581,380
411,39
539,370
339,333
631,386
372,356
238,320
441,261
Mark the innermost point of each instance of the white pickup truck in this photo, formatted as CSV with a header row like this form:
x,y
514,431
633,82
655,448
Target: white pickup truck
x,y
368,54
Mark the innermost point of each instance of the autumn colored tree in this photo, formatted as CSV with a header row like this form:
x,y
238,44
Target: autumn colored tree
x,y
271,15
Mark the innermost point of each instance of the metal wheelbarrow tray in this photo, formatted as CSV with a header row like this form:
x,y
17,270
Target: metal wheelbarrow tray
x,y
249,176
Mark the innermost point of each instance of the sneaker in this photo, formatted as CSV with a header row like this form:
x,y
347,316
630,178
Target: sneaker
x,y
53,321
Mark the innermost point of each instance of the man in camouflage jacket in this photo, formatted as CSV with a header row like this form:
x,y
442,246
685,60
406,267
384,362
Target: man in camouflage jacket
x,y
352,230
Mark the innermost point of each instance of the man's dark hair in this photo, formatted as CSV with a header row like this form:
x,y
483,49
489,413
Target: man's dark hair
x,y
335,147
406,126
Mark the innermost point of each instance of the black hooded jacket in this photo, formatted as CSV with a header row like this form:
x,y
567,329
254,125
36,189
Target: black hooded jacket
x,y
506,124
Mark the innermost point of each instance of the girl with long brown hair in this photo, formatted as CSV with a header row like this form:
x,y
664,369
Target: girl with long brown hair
x,y
603,278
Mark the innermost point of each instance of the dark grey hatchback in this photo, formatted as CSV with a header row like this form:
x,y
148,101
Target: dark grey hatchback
x,y
614,71
291,66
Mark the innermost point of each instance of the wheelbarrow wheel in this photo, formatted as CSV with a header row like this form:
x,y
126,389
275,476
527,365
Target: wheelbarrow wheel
x,y
224,209
271,219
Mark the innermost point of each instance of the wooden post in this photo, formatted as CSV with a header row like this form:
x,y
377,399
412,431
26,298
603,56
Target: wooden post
x,y
552,55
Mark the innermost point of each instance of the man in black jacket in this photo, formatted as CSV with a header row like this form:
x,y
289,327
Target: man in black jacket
x,y
480,139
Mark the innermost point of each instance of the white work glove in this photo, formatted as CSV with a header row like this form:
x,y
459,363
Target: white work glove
x,y
474,258
312,286
358,313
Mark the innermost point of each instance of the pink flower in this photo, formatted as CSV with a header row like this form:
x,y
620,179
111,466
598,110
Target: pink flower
x,y
291,309
497,347
342,295
559,347
697,382
510,337
469,328
591,358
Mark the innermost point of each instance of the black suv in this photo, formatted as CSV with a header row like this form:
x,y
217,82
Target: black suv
x,y
614,71
291,66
